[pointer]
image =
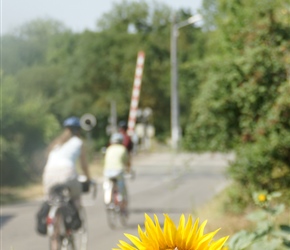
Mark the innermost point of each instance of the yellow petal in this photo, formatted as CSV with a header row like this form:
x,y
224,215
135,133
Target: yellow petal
x,y
135,241
205,241
152,237
151,231
161,239
218,244
180,231
201,230
187,236
142,235
191,234
149,224
125,246
169,231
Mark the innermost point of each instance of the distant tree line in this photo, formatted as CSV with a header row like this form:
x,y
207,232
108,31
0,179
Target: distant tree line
x,y
50,73
233,82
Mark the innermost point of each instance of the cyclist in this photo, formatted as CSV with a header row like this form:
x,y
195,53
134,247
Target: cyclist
x,y
127,142
63,153
116,163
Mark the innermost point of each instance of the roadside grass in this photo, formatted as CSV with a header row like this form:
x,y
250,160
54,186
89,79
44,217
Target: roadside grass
x,y
229,222
11,195
216,216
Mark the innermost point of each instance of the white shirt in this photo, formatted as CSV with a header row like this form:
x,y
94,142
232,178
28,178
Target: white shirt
x,y
64,157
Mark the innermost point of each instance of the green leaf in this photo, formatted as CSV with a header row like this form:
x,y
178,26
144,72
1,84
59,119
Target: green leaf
x,y
285,228
264,227
257,215
278,209
276,194
241,240
281,234
273,244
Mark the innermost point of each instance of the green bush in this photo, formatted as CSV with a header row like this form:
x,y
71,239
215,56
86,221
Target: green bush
x,y
26,128
242,101
263,164
269,233
236,199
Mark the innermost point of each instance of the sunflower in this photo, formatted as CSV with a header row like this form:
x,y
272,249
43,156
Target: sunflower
x,y
187,236
262,197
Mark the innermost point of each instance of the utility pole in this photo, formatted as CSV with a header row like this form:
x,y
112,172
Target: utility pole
x,y
113,118
175,130
175,127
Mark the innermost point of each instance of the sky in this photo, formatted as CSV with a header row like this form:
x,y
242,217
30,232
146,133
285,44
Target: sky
x,y
77,15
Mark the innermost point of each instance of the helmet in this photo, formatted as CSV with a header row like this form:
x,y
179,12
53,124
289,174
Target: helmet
x,y
122,124
72,122
116,138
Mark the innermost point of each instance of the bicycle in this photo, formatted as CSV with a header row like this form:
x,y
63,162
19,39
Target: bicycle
x,y
61,236
113,200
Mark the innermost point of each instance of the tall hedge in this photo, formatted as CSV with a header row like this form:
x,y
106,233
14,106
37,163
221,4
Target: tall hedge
x,y
243,99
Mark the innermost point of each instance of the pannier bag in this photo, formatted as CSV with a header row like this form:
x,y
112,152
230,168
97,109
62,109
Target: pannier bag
x,y
71,216
85,184
41,216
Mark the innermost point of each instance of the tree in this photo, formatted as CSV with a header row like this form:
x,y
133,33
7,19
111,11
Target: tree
x,y
241,101
151,25
102,64
28,87
26,126
54,73
27,45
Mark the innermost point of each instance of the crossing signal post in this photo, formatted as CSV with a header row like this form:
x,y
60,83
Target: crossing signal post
x,y
88,122
136,92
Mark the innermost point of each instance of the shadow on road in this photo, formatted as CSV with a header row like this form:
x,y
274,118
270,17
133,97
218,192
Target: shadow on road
x,y
4,219
150,211
156,210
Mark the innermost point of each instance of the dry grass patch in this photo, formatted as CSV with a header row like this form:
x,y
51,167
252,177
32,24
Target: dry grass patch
x,y
214,212
10,195
230,223
96,167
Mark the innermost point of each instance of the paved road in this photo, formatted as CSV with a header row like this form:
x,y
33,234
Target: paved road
x,y
165,183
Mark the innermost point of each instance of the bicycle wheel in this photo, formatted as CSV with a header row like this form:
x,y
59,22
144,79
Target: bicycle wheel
x,y
80,236
57,232
123,216
111,215
123,219
67,243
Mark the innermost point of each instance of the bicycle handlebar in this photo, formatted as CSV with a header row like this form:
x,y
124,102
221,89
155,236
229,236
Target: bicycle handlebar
x,y
86,185
130,174
94,184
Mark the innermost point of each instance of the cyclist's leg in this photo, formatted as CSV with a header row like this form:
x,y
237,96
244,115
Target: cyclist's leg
x,y
54,242
80,237
123,191
108,190
75,191
54,235
58,231
75,187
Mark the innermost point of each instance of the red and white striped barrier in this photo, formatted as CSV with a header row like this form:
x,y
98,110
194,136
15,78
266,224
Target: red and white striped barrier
x,y
136,92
